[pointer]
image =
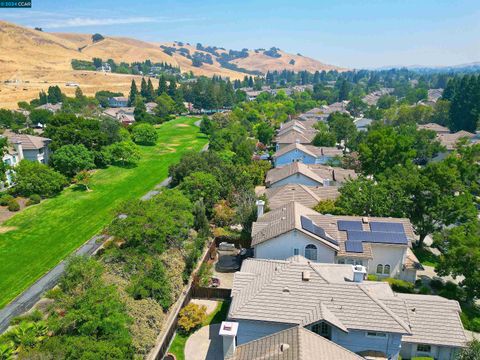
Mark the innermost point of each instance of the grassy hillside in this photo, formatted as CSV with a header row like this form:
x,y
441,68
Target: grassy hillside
x,y
47,233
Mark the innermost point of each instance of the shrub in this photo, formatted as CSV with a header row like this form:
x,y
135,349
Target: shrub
x,y
191,317
144,134
425,290
13,205
373,277
205,274
223,213
5,199
436,284
35,315
34,199
401,286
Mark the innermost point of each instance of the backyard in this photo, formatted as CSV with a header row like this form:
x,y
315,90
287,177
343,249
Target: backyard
x,y
35,240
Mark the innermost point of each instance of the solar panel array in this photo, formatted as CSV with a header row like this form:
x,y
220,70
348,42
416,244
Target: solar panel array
x,y
311,227
386,227
347,225
381,233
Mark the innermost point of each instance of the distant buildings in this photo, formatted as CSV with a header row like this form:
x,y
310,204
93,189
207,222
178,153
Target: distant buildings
x,y
50,107
118,101
122,114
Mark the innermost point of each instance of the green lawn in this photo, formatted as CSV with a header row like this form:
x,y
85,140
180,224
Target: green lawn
x,y
177,347
47,233
426,257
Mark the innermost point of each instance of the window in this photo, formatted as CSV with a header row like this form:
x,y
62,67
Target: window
x,y
424,348
386,269
311,252
379,269
296,251
341,261
322,329
376,334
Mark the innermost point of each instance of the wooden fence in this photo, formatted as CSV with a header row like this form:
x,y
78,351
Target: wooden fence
x,y
192,290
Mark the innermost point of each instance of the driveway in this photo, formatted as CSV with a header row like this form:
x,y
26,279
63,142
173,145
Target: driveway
x,y
205,344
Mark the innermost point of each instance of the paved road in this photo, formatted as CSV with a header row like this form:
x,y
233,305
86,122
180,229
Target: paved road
x,y
30,296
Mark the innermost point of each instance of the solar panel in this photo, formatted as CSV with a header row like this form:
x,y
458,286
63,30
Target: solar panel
x,y
311,227
354,246
378,237
387,227
346,225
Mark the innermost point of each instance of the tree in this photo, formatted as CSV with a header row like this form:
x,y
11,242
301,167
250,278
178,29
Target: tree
x,y
342,126
71,159
97,37
165,107
471,352
54,94
344,90
124,152
133,93
162,85
144,89
144,134
200,222
356,106
202,185
151,95
83,178
265,133
35,178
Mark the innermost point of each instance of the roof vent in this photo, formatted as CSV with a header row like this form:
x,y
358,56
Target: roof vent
x,y
365,220
284,218
284,347
286,290
305,275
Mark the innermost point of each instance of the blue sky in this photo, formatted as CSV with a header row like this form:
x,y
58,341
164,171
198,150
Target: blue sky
x,y
351,33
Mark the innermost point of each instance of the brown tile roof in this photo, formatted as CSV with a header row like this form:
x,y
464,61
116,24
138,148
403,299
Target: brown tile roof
x,y
29,142
274,291
434,127
308,196
450,140
315,151
315,172
295,136
295,343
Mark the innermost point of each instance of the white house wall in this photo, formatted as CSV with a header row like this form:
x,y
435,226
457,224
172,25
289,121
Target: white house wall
x,y
281,247
249,330
392,255
409,351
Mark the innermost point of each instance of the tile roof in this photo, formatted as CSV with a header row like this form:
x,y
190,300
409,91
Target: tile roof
x,y
302,345
294,136
287,218
434,127
450,140
274,291
281,221
316,172
29,142
433,319
308,196
311,150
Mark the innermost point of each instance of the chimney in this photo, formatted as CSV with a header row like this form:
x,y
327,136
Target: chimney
x,y
17,145
260,207
365,220
306,275
228,331
359,273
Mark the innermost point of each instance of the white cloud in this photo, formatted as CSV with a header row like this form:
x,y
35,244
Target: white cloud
x,y
85,21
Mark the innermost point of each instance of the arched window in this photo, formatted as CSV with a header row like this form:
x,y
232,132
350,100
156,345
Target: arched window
x,y
311,252
386,269
379,269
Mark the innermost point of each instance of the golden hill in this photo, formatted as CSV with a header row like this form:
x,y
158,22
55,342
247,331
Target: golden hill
x,y
31,61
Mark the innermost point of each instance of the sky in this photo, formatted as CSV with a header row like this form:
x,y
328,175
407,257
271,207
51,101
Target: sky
x,y
348,33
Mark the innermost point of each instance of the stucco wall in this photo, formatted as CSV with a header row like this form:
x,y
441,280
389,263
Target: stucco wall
x,y
357,341
292,156
249,330
392,255
281,247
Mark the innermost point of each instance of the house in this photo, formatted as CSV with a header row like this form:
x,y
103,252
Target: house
x,y
310,175
124,114
332,300
450,140
439,129
382,245
308,196
150,106
295,343
11,158
118,101
434,95
362,124
305,153
29,147
50,107
372,98
293,135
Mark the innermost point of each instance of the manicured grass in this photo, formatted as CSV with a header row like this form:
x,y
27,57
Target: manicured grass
x,y
217,316
425,256
47,233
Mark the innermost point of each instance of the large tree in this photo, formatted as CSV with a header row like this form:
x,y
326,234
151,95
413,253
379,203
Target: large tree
x,y
71,159
36,178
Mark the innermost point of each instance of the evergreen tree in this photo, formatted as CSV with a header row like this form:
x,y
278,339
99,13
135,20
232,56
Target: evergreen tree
x,y
144,89
172,88
54,94
43,97
162,85
133,93
150,91
343,90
